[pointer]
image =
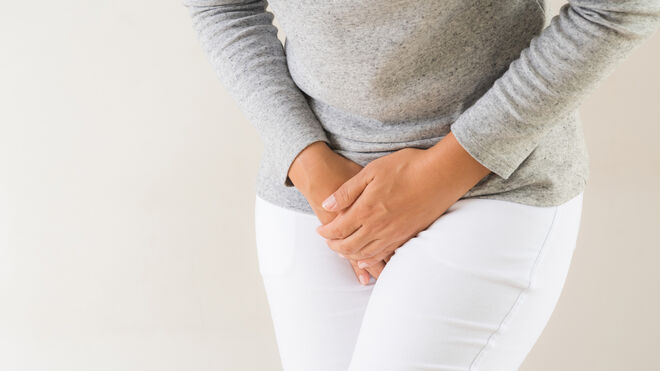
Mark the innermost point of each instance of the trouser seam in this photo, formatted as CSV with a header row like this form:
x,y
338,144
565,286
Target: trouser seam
x,y
520,295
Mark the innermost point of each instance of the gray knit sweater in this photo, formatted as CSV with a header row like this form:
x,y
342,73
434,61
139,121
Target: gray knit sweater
x,y
371,77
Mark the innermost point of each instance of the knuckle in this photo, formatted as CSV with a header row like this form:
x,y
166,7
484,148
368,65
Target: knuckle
x,y
342,248
360,255
365,209
365,228
340,234
337,246
376,226
363,255
352,256
372,165
363,213
351,249
335,232
341,194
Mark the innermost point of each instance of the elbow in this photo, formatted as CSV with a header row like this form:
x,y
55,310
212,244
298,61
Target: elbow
x,y
221,14
199,3
224,8
204,3
228,4
631,19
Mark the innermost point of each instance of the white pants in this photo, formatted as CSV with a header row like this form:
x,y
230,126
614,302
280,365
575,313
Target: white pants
x,y
473,291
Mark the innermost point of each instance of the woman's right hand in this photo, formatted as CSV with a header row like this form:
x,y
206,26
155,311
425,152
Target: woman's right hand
x,y
317,172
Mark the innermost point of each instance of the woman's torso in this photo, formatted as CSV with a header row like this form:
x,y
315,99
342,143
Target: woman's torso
x,y
400,61
385,76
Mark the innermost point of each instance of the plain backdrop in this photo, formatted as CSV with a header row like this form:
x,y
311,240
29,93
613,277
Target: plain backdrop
x,y
127,194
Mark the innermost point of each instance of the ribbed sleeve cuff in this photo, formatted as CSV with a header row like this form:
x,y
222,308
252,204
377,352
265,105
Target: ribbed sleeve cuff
x,y
482,150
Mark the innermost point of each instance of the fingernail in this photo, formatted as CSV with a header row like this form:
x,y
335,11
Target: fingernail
x,y
341,255
364,279
329,202
363,264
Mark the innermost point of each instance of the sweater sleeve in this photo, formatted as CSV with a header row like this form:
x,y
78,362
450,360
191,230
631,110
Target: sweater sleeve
x,y
550,78
241,42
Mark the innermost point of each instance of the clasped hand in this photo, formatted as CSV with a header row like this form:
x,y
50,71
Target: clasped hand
x,y
395,197
384,205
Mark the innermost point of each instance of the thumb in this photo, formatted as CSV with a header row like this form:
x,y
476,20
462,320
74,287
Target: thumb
x,y
347,193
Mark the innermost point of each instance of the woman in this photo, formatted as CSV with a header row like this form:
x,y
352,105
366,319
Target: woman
x,y
435,146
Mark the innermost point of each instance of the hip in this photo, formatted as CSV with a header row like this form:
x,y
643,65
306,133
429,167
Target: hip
x,y
488,235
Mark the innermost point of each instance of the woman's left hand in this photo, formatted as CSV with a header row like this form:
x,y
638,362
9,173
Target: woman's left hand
x,y
395,197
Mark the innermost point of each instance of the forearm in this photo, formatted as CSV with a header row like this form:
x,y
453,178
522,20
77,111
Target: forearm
x,y
447,162
552,76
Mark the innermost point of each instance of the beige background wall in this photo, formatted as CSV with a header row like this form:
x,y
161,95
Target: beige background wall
x,y
127,184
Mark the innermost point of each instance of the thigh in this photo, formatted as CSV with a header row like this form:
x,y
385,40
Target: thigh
x,y
315,300
473,291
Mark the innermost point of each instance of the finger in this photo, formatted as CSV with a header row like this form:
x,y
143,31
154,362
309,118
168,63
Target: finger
x,y
361,274
385,255
342,226
351,244
369,262
371,250
348,192
376,269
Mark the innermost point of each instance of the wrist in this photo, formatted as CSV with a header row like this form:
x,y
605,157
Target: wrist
x,y
309,163
452,163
